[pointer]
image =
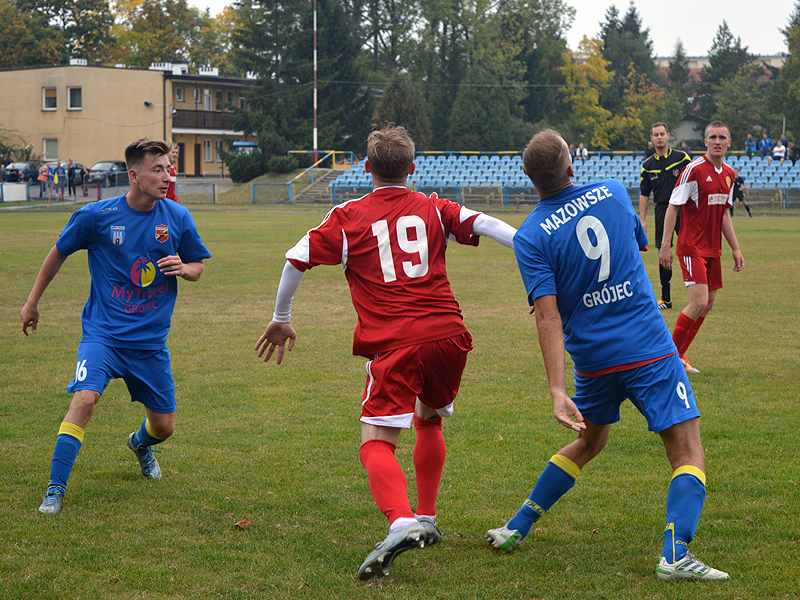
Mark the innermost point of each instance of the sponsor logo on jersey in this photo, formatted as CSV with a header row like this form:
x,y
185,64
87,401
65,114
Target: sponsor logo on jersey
x,y
162,233
143,272
117,234
715,199
709,178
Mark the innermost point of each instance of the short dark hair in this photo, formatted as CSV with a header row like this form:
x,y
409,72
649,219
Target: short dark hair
x,y
390,151
716,124
546,161
659,124
136,151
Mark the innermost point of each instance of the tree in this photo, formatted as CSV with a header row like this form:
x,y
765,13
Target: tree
x,y
740,105
27,40
784,96
587,76
402,104
85,24
625,42
679,78
725,59
481,117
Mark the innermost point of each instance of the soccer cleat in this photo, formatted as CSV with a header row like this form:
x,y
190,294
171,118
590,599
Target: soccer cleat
x,y
664,305
380,560
688,366
53,497
147,461
504,539
432,533
688,567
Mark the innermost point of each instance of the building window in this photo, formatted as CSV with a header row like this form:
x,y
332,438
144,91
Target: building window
x,y
231,97
49,99
178,94
242,102
50,149
207,151
219,150
207,100
74,98
197,95
219,99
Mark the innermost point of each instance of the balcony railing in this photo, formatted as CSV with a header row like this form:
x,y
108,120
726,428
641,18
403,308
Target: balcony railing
x,y
201,119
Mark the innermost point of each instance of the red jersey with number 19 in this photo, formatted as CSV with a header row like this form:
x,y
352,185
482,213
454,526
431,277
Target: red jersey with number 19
x,y
391,244
704,194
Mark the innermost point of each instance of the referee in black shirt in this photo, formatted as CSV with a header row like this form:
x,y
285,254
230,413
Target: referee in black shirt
x,y
660,173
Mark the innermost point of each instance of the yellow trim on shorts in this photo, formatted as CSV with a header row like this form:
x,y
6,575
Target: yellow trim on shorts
x,y
150,431
72,430
566,465
690,470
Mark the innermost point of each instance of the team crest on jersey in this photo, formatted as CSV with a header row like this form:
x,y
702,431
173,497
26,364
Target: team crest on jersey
x,y
117,234
162,233
728,180
675,172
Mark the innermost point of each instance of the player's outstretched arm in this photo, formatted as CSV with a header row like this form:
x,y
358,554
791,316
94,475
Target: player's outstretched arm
x,y
276,336
50,267
733,242
551,341
500,231
173,265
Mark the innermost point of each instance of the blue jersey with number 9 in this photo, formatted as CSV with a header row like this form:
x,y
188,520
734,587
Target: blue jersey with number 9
x,y
582,246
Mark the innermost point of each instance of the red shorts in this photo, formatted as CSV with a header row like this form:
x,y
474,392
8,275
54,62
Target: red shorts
x,y
430,371
701,269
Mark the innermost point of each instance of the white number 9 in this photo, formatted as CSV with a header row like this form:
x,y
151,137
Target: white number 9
x,y
602,250
681,389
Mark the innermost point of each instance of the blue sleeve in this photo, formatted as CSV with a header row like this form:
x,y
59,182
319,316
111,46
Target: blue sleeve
x,y
78,234
191,249
537,273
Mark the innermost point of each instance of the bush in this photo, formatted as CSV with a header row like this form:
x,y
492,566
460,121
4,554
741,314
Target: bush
x,y
247,166
282,164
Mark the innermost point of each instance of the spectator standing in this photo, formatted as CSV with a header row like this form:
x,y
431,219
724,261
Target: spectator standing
x,y
573,154
659,174
750,145
621,348
784,140
72,173
704,194
686,150
765,145
650,150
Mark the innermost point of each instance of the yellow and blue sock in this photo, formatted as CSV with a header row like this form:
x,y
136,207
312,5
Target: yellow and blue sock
x,y
68,443
556,480
144,437
687,493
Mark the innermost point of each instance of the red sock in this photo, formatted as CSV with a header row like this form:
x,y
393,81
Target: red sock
x,y
682,327
387,482
691,333
429,454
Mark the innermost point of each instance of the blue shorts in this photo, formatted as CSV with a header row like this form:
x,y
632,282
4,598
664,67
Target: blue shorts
x,y
659,390
147,373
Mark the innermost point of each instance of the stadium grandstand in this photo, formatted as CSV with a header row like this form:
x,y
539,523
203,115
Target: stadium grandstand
x,y
498,177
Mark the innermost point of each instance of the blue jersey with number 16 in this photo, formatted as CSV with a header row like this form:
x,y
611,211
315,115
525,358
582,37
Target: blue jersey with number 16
x,y
582,246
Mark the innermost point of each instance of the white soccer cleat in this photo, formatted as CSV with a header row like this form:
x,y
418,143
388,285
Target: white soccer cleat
x,y
688,567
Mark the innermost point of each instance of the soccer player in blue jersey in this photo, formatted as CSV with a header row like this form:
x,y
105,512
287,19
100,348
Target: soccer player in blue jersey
x,y
138,246
578,253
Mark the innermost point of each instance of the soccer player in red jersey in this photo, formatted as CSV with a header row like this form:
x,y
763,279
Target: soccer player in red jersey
x,y
174,153
392,245
704,192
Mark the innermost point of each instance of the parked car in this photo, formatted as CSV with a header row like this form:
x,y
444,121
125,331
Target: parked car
x,y
22,171
109,173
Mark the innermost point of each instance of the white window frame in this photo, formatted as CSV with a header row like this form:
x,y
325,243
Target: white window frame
x,y
53,142
242,102
197,95
45,97
70,106
207,106
218,144
179,94
207,155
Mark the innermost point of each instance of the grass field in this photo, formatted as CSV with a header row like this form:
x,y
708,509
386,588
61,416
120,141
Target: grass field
x,y
279,445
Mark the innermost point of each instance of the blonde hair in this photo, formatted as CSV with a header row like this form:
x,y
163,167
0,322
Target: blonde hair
x,y
390,151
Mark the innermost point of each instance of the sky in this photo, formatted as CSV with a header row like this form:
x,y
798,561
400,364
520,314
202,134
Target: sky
x,y
695,22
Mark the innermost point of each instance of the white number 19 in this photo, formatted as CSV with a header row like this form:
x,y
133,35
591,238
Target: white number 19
x,y
380,229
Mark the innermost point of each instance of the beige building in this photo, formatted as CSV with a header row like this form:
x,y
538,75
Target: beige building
x,y
91,113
